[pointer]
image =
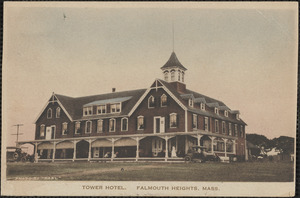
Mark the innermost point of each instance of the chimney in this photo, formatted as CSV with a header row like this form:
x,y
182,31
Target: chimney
x,y
113,90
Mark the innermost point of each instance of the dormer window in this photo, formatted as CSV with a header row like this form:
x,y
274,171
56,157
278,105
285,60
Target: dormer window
x,y
87,111
163,100
57,112
166,76
101,109
115,108
202,106
237,116
151,102
172,75
49,113
226,113
191,102
216,110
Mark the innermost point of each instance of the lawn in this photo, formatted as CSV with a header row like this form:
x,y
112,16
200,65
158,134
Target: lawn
x,y
130,171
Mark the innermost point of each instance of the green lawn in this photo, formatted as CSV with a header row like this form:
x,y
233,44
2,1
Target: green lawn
x,y
244,171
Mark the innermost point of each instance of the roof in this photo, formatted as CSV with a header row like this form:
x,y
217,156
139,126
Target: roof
x,y
74,105
108,101
173,61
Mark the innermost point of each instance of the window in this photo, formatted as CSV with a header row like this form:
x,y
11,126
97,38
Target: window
x,y
173,75
166,76
242,131
64,128
112,125
179,76
226,113
223,127
206,123
115,108
235,130
49,113
163,100
202,106
140,123
77,128
42,130
229,146
229,129
195,121
173,120
99,126
191,102
216,110
57,112
101,109
87,111
151,102
217,126
88,127
182,76
124,123
237,116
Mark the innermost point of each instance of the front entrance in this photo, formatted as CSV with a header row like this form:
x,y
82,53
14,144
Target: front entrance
x,y
159,124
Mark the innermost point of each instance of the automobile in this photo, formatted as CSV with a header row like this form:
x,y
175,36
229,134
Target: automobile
x,y
15,154
196,154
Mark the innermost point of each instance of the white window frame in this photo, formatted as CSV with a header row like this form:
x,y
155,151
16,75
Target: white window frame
x,y
191,102
122,120
109,129
217,126
86,124
172,75
235,130
216,111
173,114
195,118
76,127
229,129
142,124
116,105
57,112
223,127
49,110
161,103
98,128
90,108
237,116
202,106
150,97
205,123
99,107
44,127
63,132
226,113
166,75
179,75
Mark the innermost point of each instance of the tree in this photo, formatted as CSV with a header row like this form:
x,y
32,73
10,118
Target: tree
x,y
261,141
285,144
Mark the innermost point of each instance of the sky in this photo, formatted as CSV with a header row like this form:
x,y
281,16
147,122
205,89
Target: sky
x,y
244,54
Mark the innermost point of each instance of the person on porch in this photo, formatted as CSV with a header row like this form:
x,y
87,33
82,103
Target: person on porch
x,y
173,152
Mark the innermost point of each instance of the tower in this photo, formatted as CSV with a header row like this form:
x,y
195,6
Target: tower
x,y
174,72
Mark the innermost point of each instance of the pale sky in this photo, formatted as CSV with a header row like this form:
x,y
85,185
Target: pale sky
x,y
245,56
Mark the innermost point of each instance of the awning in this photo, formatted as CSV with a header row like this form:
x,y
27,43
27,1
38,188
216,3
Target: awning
x,y
125,142
45,145
102,143
65,145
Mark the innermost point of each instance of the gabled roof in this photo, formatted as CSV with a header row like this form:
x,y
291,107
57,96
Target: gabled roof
x,y
74,105
173,61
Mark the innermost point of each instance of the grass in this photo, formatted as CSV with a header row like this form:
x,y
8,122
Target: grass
x,y
246,171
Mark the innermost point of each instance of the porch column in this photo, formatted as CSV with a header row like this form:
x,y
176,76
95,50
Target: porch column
x,y
74,153
186,145
212,144
167,150
54,150
234,147
90,150
112,149
36,156
137,148
225,146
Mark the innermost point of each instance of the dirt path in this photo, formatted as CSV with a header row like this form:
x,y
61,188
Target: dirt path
x,y
102,170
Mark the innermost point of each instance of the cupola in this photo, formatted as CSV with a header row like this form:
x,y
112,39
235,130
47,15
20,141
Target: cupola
x,y
173,70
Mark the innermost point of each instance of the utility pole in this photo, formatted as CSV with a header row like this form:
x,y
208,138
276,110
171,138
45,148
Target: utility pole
x,y
17,134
